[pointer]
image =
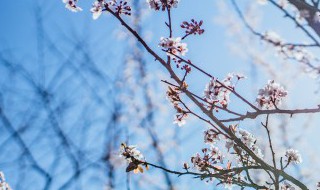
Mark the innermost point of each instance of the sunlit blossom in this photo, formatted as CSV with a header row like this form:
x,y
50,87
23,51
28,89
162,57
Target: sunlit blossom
x,y
250,141
173,46
72,5
96,9
162,5
271,95
293,156
130,153
3,184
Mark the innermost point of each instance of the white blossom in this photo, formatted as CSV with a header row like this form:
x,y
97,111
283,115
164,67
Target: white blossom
x,y
130,153
247,138
217,92
288,51
72,5
239,76
96,9
3,184
271,95
229,144
173,46
181,115
293,156
179,121
162,5
215,153
272,37
250,141
210,158
257,151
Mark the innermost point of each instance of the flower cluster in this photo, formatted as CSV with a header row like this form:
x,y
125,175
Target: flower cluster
x,y
215,93
162,4
293,156
173,46
272,38
250,141
173,95
271,95
192,27
133,157
229,144
211,136
120,7
288,51
97,8
219,92
207,162
3,184
130,153
212,160
72,5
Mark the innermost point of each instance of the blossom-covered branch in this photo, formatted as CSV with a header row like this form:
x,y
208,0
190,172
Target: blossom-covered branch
x,y
242,145
3,184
